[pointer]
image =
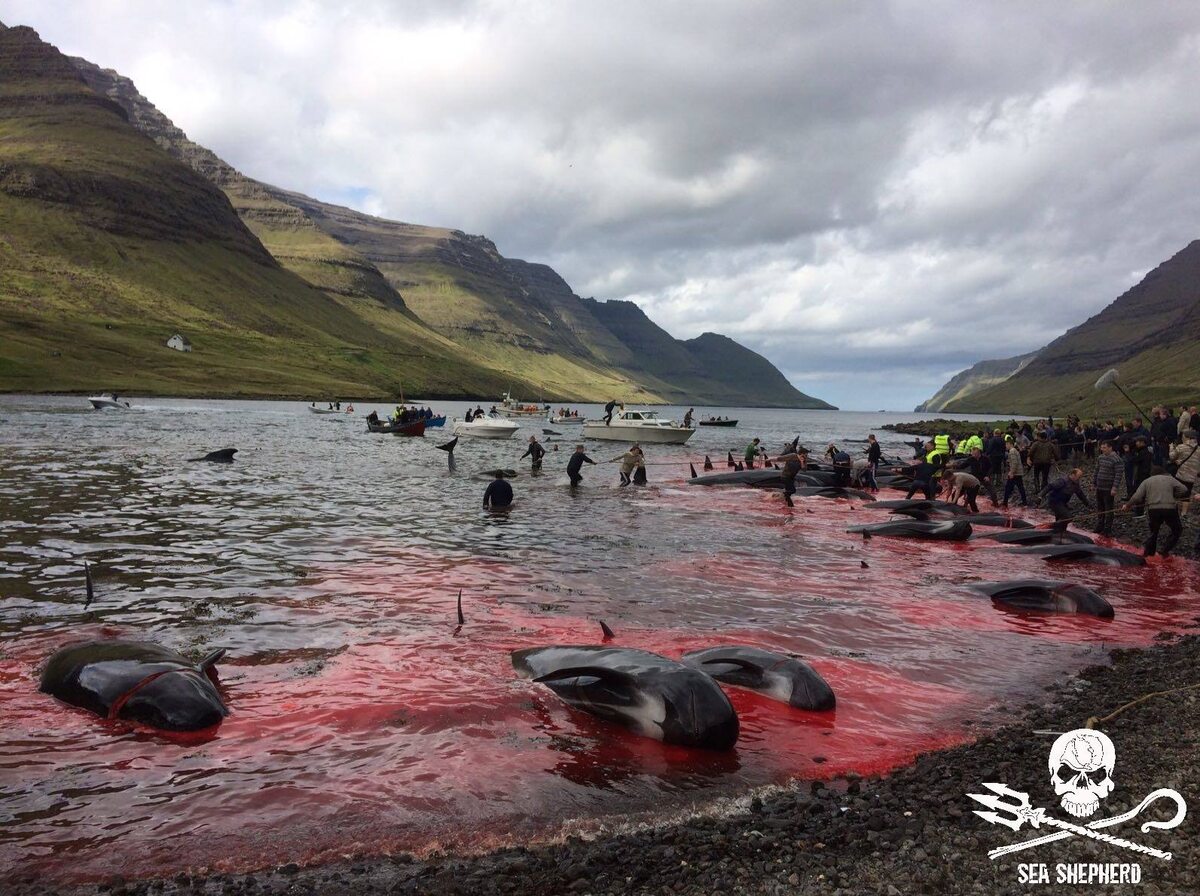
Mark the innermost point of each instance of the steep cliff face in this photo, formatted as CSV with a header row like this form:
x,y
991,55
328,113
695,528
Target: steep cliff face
x,y
974,378
1150,333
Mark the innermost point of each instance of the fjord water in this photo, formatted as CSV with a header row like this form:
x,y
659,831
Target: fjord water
x,y
363,720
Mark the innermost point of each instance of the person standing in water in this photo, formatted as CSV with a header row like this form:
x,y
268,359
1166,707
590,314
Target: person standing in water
x,y
751,453
535,452
575,464
874,455
629,460
499,494
792,464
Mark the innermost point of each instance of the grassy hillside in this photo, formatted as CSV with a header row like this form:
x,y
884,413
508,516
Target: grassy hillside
x,y
976,377
108,246
521,320
1149,333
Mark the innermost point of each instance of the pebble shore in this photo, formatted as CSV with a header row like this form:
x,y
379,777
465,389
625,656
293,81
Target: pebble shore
x,y
910,832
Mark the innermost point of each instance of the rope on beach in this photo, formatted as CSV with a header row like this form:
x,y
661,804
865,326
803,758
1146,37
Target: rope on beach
x,y
1093,721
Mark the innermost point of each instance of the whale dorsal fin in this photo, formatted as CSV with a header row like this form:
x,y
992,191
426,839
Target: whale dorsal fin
x,y
211,660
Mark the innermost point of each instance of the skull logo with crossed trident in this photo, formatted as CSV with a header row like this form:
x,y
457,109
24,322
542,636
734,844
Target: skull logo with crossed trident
x,y
1081,767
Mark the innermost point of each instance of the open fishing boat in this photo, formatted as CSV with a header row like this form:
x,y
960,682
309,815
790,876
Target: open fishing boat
x,y
407,428
714,422
638,426
510,407
316,410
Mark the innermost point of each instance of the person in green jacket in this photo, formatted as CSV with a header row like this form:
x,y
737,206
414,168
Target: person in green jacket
x,y
752,452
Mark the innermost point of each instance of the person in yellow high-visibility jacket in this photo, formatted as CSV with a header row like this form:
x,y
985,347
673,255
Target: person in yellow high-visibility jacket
x,y
941,446
969,443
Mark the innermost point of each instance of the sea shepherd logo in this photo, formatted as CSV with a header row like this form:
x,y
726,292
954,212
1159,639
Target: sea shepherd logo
x,y
1081,773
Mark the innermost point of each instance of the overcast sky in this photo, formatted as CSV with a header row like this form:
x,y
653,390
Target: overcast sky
x,y
873,195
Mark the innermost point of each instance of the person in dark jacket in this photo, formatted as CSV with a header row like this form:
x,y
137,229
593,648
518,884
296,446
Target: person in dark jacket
x,y
1142,462
1058,497
499,494
1109,470
981,468
923,477
1042,455
608,411
535,452
575,464
1162,492
791,464
874,455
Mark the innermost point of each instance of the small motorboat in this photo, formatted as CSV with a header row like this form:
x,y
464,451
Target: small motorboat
x,y
576,420
486,427
317,410
435,422
510,407
103,402
711,421
638,426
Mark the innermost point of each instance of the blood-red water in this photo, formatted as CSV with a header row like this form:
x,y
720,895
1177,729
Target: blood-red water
x,y
364,720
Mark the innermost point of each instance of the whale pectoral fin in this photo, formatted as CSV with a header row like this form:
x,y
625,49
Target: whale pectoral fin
x,y
610,676
748,673
211,660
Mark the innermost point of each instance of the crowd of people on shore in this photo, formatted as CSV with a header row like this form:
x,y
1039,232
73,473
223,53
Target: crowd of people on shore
x,y
1157,465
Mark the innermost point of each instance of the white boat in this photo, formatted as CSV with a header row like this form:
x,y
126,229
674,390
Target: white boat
x,y
638,426
317,410
486,427
510,407
568,421
100,402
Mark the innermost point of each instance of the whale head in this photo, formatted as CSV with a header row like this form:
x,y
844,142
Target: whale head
x,y
178,700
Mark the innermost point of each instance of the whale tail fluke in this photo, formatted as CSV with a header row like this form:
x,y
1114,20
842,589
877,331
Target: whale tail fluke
x,y
461,619
87,581
606,631
707,462
692,467
449,446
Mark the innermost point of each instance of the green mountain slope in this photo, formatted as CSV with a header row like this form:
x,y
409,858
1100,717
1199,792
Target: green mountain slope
x,y
108,246
519,319
1149,333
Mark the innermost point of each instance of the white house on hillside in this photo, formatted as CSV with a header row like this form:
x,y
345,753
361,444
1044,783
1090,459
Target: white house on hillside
x,y
179,343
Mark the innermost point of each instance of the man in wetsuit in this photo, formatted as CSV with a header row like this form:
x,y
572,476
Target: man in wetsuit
x,y
874,455
499,494
792,463
575,464
687,419
535,452
608,411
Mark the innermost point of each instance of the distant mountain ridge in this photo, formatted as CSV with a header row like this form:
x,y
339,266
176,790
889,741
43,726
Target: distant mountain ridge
x,y
1150,333
978,376
516,318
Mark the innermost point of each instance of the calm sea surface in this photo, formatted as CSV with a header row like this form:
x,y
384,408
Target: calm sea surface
x,y
327,561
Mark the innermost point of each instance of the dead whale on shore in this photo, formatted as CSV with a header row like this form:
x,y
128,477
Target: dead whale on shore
x,y
780,677
223,456
932,530
833,491
1037,536
765,478
975,519
913,506
1046,597
1083,553
137,682
647,693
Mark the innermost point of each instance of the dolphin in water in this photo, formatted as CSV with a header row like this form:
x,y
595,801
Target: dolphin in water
x,y
137,682
449,449
1037,536
833,491
1046,596
937,530
780,677
643,691
223,456
1083,553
